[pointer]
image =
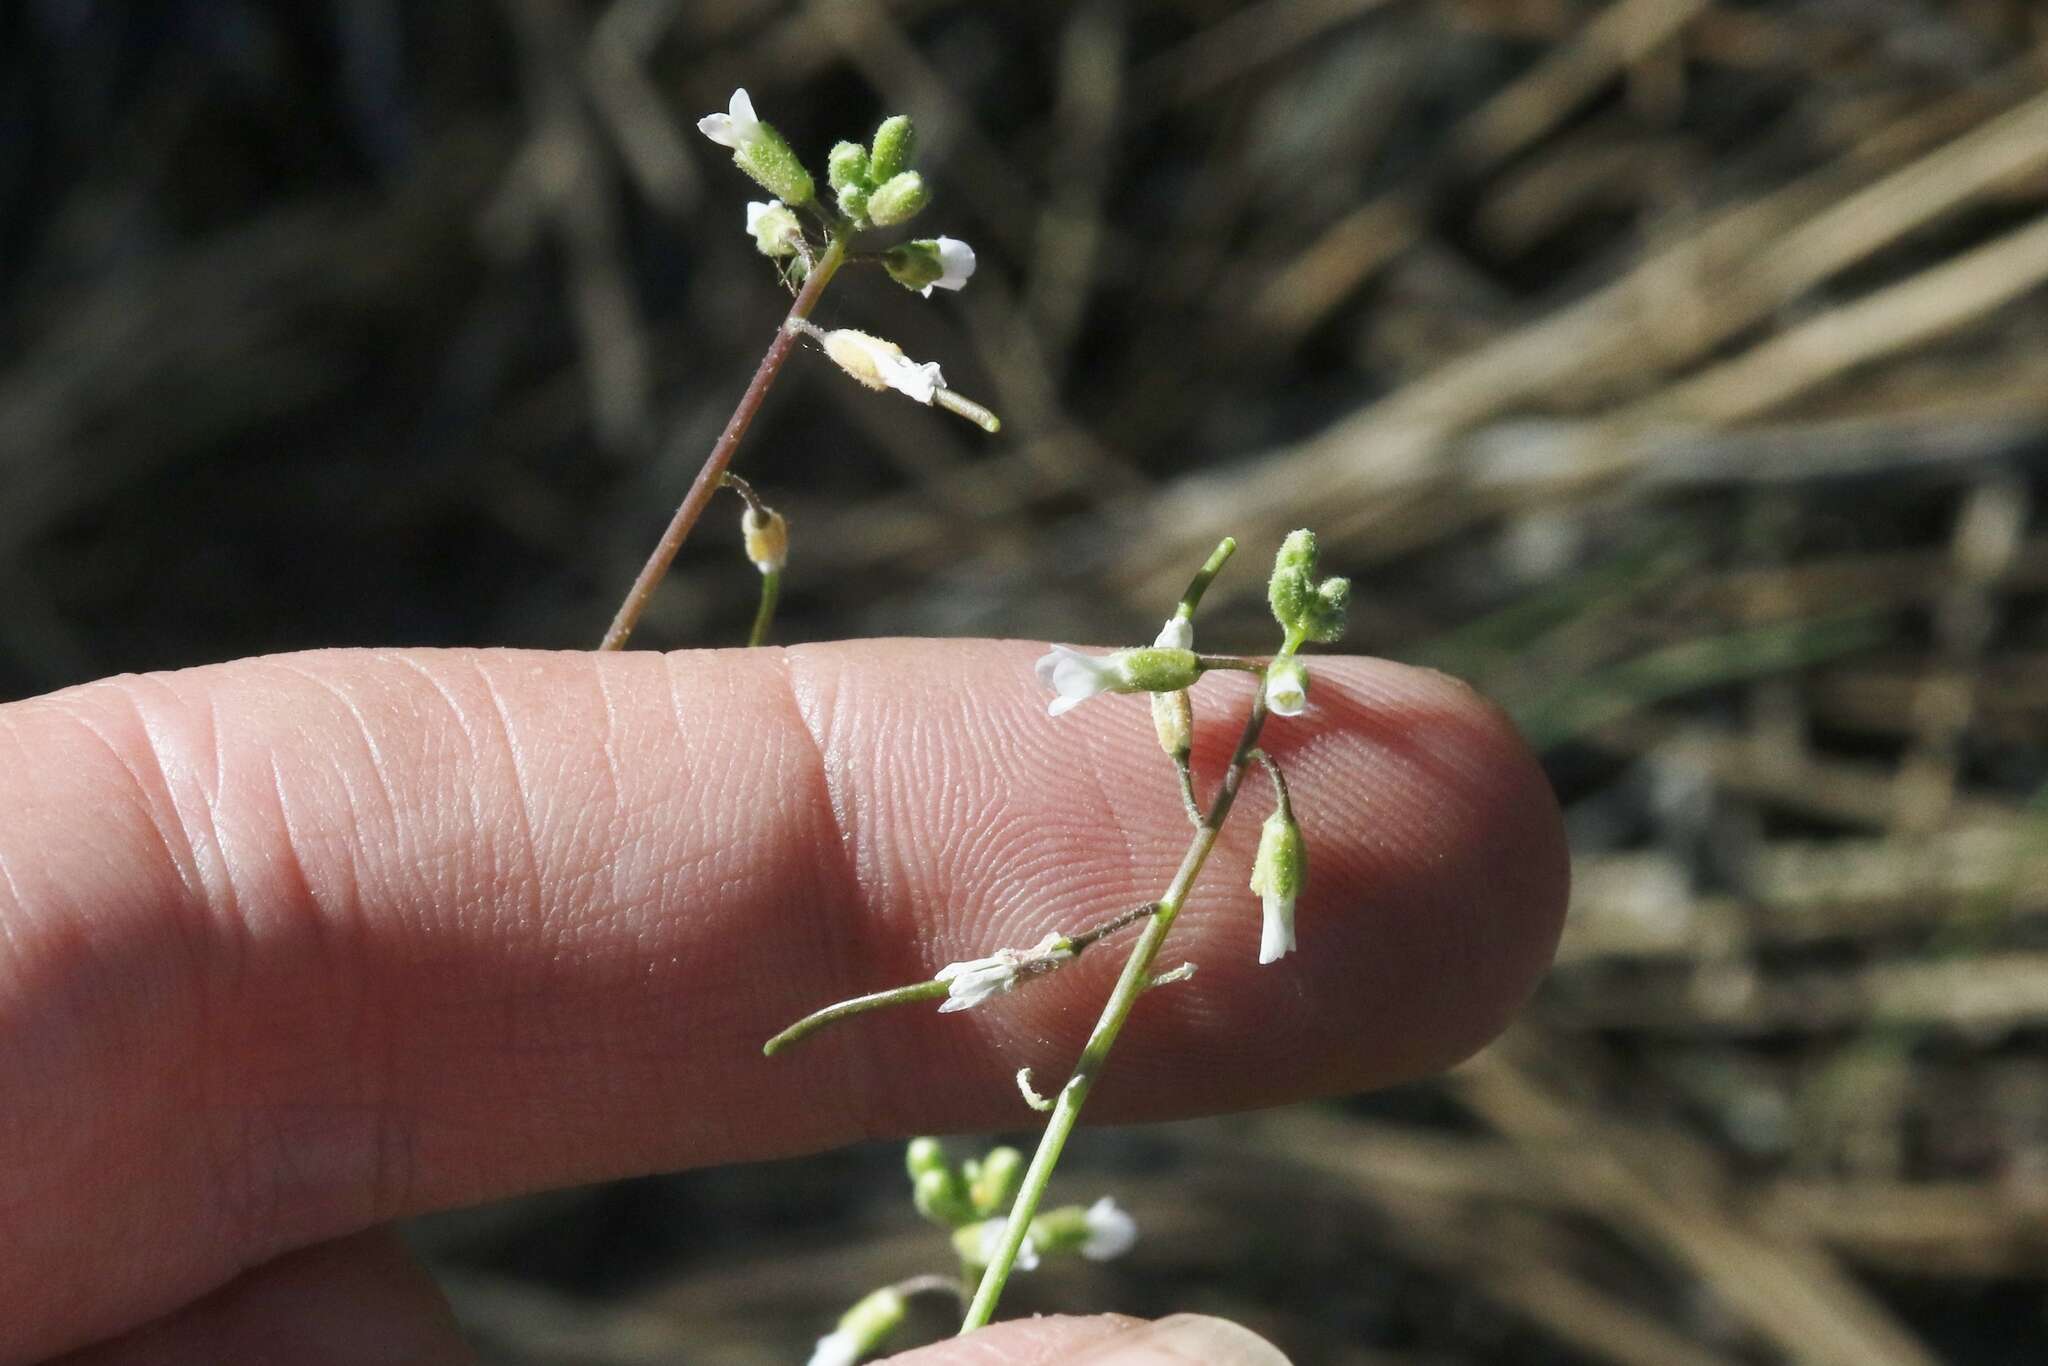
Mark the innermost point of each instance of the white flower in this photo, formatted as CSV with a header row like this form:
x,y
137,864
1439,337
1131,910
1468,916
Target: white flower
x,y
1111,1231
737,128
956,260
1177,634
1287,687
974,980
1077,677
882,365
992,1243
756,210
837,1348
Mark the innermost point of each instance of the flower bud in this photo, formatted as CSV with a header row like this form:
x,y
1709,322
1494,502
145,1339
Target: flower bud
x,y
924,1154
1173,721
993,1183
847,165
1099,1232
776,231
895,144
853,202
767,536
898,200
941,1196
1278,872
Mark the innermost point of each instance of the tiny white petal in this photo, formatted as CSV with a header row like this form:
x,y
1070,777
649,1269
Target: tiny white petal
x,y
837,1348
956,264
756,211
1111,1231
1177,634
914,379
1276,933
736,127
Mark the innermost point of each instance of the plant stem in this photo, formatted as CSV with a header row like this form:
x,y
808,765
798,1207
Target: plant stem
x,y
709,477
1136,976
764,616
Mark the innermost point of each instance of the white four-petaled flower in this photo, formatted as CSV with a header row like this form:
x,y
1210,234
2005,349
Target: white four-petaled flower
x,y
956,260
1111,1231
974,980
737,128
1077,677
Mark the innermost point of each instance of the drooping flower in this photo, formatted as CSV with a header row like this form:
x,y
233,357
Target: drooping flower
x,y
1177,634
1287,686
1278,871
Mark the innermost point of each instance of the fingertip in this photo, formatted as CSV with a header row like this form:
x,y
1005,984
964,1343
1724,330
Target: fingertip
x,y
1102,1340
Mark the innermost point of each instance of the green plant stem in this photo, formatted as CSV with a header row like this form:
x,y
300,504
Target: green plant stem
x,y
875,1000
1204,576
764,616
712,474
1136,977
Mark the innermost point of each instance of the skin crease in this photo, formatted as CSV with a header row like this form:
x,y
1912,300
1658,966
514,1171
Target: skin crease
x,y
296,946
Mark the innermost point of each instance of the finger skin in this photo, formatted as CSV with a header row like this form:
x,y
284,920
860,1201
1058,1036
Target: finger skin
x,y
357,1301
294,946
1102,1340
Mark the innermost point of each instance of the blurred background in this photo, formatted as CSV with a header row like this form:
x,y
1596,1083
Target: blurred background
x,y
1674,370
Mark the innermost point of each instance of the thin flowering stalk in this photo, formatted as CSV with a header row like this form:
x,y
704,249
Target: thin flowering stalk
x,y
712,474
1134,981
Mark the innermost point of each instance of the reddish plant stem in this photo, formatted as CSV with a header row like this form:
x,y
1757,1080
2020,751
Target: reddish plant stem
x,y
708,478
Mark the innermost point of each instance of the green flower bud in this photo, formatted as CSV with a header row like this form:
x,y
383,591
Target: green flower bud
x,y
1325,618
1291,590
1278,872
941,1196
853,202
847,166
1099,1232
995,1181
898,200
769,160
1173,721
914,265
895,144
923,1155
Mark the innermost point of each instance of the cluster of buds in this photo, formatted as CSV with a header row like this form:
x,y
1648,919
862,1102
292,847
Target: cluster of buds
x,y
874,187
970,1199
